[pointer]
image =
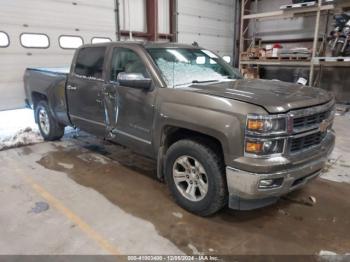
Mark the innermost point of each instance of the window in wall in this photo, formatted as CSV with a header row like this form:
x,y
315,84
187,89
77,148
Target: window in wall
x,y
90,62
4,40
34,40
70,42
127,61
97,40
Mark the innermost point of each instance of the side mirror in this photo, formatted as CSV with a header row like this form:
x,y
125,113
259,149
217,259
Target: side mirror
x,y
134,80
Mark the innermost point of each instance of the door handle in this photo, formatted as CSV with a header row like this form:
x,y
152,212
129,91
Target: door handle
x,y
73,88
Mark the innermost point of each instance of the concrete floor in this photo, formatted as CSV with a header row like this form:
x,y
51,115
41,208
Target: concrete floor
x,y
86,196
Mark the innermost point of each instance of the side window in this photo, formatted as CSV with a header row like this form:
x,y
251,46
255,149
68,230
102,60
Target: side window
x,y
4,40
90,62
34,40
127,61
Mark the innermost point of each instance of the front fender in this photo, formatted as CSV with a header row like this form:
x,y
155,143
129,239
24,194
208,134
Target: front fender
x,y
225,127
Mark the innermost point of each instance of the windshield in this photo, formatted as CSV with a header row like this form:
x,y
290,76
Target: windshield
x,y
185,66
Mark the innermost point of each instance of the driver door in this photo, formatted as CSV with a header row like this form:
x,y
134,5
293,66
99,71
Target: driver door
x,y
130,110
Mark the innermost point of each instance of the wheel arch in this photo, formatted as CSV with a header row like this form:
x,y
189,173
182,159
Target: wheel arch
x,y
36,98
172,133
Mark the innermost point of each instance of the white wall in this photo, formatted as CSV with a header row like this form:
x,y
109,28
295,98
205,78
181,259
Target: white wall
x,y
88,18
209,23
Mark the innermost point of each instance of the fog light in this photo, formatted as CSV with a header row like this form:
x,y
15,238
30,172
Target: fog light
x,y
270,183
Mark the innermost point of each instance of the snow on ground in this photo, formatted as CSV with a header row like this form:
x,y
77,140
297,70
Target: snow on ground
x,y
329,256
13,120
338,166
18,128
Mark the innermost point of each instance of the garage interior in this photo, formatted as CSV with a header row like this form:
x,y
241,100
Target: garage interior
x,y
85,195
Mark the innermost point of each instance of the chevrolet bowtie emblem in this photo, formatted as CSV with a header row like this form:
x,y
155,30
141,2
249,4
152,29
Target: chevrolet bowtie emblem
x,y
324,125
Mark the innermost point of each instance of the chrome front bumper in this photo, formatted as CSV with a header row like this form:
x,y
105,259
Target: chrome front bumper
x,y
243,187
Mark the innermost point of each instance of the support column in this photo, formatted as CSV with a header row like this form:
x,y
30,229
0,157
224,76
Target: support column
x,y
152,19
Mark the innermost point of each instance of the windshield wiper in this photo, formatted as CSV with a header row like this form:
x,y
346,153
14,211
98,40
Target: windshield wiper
x,y
206,81
197,82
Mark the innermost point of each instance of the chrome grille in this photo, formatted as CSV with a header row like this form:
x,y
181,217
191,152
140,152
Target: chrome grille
x,y
307,119
305,142
306,122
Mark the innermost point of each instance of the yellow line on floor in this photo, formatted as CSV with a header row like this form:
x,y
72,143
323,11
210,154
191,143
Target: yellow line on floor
x,y
88,230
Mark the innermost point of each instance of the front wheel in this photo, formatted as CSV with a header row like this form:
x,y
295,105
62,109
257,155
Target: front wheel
x,y
195,176
49,128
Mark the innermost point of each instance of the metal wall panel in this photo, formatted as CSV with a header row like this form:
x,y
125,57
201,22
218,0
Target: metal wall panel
x,y
163,16
209,23
86,18
132,15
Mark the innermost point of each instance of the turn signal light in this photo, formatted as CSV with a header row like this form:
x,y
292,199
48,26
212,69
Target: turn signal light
x,y
253,147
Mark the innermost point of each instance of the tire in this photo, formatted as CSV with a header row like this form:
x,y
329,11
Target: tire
x,y
49,128
192,152
337,50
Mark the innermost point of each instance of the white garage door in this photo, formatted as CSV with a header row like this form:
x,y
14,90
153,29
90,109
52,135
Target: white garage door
x,y
30,32
210,23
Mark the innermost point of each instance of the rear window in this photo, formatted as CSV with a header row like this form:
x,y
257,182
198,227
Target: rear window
x,y
90,62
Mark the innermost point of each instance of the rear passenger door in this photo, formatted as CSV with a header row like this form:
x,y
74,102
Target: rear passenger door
x,y
84,90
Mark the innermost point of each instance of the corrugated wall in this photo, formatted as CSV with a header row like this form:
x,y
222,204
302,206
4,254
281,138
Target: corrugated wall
x,y
209,23
86,18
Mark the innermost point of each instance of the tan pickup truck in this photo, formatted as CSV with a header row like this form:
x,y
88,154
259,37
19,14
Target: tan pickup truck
x,y
218,139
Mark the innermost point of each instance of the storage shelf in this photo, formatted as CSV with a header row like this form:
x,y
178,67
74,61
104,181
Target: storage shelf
x,y
332,61
275,62
319,8
288,13
323,61
291,12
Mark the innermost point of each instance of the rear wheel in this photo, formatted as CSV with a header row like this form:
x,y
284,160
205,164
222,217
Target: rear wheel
x,y
49,128
194,174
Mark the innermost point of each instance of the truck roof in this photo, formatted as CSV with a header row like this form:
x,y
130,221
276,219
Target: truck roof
x,y
145,44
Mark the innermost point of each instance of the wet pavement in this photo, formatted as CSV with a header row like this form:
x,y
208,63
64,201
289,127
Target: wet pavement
x,y
127,181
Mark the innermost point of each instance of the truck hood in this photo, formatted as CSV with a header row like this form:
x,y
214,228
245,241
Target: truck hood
x,y
274,96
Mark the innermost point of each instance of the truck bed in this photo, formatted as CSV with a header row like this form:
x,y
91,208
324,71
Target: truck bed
x,y
50,84
53,70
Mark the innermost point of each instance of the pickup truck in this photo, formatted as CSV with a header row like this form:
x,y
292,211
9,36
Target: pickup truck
x,y
219,140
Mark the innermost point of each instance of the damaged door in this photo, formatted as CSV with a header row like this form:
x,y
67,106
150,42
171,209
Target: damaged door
x,y
129,109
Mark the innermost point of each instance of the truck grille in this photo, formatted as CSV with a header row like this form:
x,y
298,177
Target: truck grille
x,y
307,122
305,142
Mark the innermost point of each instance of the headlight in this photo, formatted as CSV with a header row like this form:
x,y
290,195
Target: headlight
x,y
266,125
264,147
